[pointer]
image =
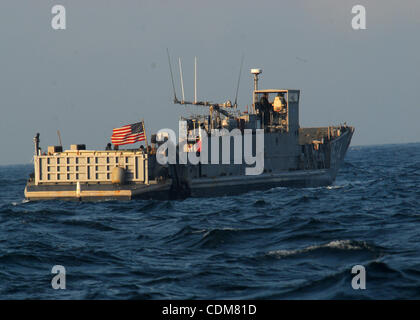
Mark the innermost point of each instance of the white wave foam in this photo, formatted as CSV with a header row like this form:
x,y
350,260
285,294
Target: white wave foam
x,y
334,187
19,203
335,244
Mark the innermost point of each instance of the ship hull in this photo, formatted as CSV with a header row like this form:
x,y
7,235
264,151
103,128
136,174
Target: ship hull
x,y
235,185
98,192
231,185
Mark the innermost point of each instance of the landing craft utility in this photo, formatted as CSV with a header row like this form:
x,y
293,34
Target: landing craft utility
x,y
291,156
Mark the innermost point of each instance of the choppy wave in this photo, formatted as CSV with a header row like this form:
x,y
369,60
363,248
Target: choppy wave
x,y
342,245
283,243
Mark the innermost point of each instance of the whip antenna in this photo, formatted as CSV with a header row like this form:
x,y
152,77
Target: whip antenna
x,y
195,79
59,138
172,76
182,81
239,79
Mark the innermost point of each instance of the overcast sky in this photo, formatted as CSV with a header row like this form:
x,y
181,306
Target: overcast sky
x,y
109,67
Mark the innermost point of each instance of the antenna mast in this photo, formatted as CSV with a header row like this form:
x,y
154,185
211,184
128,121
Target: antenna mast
x,y
215,106
255,72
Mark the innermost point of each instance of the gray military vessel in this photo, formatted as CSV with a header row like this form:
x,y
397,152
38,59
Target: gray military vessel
x,y
291,156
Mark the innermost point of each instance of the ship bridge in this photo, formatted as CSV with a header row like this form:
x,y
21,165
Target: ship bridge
x,y
278,108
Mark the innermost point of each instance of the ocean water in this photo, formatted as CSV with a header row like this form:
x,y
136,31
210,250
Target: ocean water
x,y
284,243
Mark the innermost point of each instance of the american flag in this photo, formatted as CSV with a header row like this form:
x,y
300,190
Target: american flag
x,y
128,134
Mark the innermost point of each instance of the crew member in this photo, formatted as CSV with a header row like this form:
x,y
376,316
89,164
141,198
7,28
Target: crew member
x,y
279,102
266,108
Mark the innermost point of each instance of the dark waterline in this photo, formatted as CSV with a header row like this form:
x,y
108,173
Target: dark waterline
x,y
283,243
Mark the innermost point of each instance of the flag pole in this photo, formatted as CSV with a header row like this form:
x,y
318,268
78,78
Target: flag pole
x,y
145,135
